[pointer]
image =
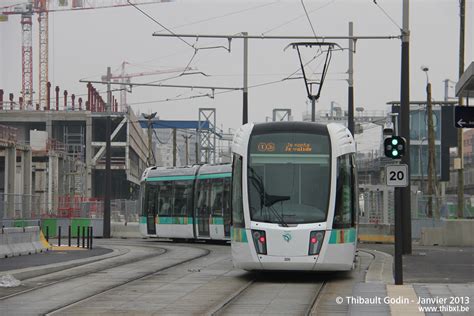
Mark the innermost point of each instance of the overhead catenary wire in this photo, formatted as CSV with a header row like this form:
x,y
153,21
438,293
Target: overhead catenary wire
x,y
309,20
154,20
387,15
225,15
298,17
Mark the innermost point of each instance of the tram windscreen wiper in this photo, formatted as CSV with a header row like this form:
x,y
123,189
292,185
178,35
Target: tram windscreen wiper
x,y
266,199
272,199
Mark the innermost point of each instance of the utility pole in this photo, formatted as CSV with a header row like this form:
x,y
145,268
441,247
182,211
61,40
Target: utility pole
x,y
108,171
186,139
403,232
431,153
350,119
246,89
405,198
460,213
313,108
149,117
174,147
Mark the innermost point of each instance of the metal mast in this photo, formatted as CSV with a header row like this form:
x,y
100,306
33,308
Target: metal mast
x,y
27,56
43,51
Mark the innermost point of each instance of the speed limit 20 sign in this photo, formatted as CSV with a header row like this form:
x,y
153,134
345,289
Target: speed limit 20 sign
x,y
397,175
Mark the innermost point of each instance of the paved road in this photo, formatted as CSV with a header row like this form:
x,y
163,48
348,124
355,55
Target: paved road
x,y
434,264
148,277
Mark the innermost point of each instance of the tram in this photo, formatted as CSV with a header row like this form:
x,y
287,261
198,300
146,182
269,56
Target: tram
x,y
294,197
186,202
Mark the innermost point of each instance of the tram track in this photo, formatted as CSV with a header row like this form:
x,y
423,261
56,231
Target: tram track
x,y
126,272
244,295
88,270
146,275
319,297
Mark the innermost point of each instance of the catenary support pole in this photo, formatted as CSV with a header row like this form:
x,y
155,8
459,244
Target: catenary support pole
x,y
405,128
350,95
108,171
460,189
245,90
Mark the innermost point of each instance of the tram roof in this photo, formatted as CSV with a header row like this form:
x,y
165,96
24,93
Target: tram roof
x,y
218,168
172,171
294,126
189,170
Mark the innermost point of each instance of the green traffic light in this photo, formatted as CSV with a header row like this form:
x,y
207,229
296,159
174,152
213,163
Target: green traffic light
x,y
394,153
394,141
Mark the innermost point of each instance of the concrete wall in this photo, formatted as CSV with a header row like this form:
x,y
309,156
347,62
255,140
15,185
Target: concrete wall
x,y
125,230
453,232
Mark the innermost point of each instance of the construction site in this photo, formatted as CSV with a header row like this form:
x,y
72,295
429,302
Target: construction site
x,y
53,142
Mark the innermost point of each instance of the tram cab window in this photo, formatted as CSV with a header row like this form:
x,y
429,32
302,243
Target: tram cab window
x,y
289,177
237,205
345,189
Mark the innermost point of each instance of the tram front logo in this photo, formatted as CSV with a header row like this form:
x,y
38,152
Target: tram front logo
x,y
286,237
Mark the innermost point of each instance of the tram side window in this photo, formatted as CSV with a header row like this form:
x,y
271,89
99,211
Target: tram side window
x,y
237,205
343,212
165,198
227,196
182,198
203,190
217,194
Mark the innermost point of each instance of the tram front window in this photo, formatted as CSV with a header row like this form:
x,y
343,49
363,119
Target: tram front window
x,y
289,178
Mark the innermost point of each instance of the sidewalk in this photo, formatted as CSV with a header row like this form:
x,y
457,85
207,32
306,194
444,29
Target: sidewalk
x,y
437,281
22,267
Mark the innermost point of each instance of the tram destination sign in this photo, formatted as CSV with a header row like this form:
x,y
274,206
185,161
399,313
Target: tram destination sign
x,y
464,117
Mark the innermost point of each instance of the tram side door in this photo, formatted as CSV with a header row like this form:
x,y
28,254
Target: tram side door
x,y
203,208
151,210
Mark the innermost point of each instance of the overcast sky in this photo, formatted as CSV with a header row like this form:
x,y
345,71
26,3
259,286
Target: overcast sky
x,y
84,43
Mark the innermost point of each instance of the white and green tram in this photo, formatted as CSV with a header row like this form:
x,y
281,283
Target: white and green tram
x,y
294,197
186,202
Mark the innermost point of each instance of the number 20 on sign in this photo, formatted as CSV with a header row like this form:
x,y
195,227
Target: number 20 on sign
x,y
397,175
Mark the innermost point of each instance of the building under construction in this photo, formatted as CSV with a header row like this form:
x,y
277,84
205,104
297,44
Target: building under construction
x,y
52,159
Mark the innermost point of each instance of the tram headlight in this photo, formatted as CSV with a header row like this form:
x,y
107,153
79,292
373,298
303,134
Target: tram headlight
x,y
260,241
315,242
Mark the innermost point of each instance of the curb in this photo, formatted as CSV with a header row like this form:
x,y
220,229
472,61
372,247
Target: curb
x,y
381,269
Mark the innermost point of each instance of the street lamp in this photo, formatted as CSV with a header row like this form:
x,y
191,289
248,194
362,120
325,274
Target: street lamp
x,y
431,146
421,164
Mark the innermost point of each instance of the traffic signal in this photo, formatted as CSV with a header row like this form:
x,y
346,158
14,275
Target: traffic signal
x,y
394,147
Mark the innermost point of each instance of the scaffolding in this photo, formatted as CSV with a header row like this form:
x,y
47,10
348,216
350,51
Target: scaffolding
x,y
207,136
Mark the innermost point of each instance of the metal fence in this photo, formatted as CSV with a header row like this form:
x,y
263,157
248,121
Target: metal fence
x,y
376,205
27,207
16,206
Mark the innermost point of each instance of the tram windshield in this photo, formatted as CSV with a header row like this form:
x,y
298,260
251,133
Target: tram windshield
x,y
289,177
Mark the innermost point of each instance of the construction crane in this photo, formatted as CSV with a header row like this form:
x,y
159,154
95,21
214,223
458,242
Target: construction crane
x,y
42,8
125,78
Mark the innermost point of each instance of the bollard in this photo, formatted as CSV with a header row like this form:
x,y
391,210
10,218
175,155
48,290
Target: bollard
x,y
92,236
69,236
59,236
47,233
87,238
78,236
83,236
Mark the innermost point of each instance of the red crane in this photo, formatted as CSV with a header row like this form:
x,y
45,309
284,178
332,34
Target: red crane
x,y
42,8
